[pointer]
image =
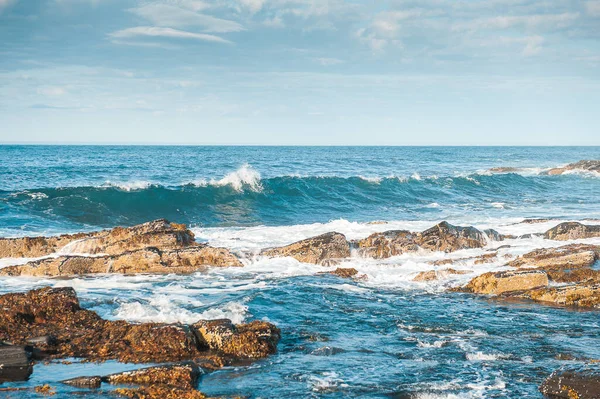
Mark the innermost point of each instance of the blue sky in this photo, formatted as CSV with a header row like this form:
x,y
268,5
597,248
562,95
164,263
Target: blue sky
x,y
405,72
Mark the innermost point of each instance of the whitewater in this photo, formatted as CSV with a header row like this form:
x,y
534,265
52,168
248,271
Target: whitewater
x,y
381,335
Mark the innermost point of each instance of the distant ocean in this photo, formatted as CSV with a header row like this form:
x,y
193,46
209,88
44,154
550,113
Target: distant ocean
x,y
384,337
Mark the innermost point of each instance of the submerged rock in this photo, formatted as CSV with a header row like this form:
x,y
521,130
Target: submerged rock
x,y
82,333
591,166
432,275
572,231
15,363
324,250
92,382
573,383
345,272
148,260
503,282
183,375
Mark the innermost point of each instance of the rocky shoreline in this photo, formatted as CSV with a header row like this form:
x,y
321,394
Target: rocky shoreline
x,y
49,323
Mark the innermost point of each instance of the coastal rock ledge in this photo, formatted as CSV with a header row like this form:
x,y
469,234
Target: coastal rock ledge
x,y
154,247
573,383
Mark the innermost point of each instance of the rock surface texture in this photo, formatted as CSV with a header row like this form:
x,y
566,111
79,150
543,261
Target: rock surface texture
x,y
572,231
573,383
153,247
325,249
590,166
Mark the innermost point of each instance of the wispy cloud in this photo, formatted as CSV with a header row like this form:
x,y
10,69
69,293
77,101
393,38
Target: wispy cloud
x,y
152,31
5,3
169,15
593,8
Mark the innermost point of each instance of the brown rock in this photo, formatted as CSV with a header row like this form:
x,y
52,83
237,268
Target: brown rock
x,y
573,383
582,295
148,260
504,169
254,340
159,392
432,275
321,250
503,282
592,166
92,382
345,272
181,375
159,233
82,333
387,244
449,238
572,231
566,257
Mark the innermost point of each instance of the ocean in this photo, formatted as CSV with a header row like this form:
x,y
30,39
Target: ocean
x,y
384,336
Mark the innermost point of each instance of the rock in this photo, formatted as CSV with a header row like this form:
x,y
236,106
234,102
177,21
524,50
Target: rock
x,y
387,244
92,382
254,340
575,276
590,166
46,340
432,275
581,295
566,257
345,272
534,221
505,169
15,363
572,231
503,282
449,238
159,233
82,333
493,235
159,392
148,260
573,383
183,375
325,249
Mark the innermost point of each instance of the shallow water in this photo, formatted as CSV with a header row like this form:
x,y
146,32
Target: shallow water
x,y
383,336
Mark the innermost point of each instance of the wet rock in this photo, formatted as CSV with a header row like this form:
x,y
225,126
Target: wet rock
x,y
159,392
573,383
92,382
183,375
345,272
534,221
591,166
503,282
15,363
493,235
505,169
325,249
148,260
575,276
433,275
46,340
254,340
387,244
449,238
565,257
326,351
33,247
572,231
581,295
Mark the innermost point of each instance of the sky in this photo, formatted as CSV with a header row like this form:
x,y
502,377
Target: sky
x,y
300,72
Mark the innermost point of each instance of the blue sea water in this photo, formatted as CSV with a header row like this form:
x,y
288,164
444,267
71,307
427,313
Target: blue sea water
x,y
384,336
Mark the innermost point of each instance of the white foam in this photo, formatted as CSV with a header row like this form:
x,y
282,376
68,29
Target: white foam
x,y
129,186
481,357
245,176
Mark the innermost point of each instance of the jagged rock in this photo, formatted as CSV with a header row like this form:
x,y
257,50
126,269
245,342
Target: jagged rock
x,y
449,238
575,276
477,260
565,257
503,282
432,275
504,169
159,233
82,333
254,340
573,383
92,382
387,244
591,166
159,392
345,272
572,231
148,260
534,221
15,363
181,375
324,250
582,295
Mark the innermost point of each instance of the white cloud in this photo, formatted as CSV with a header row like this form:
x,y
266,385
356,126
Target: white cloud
x,y
539,21
253,5
173,16
52,91
593,8
275,22
5,3
152,31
